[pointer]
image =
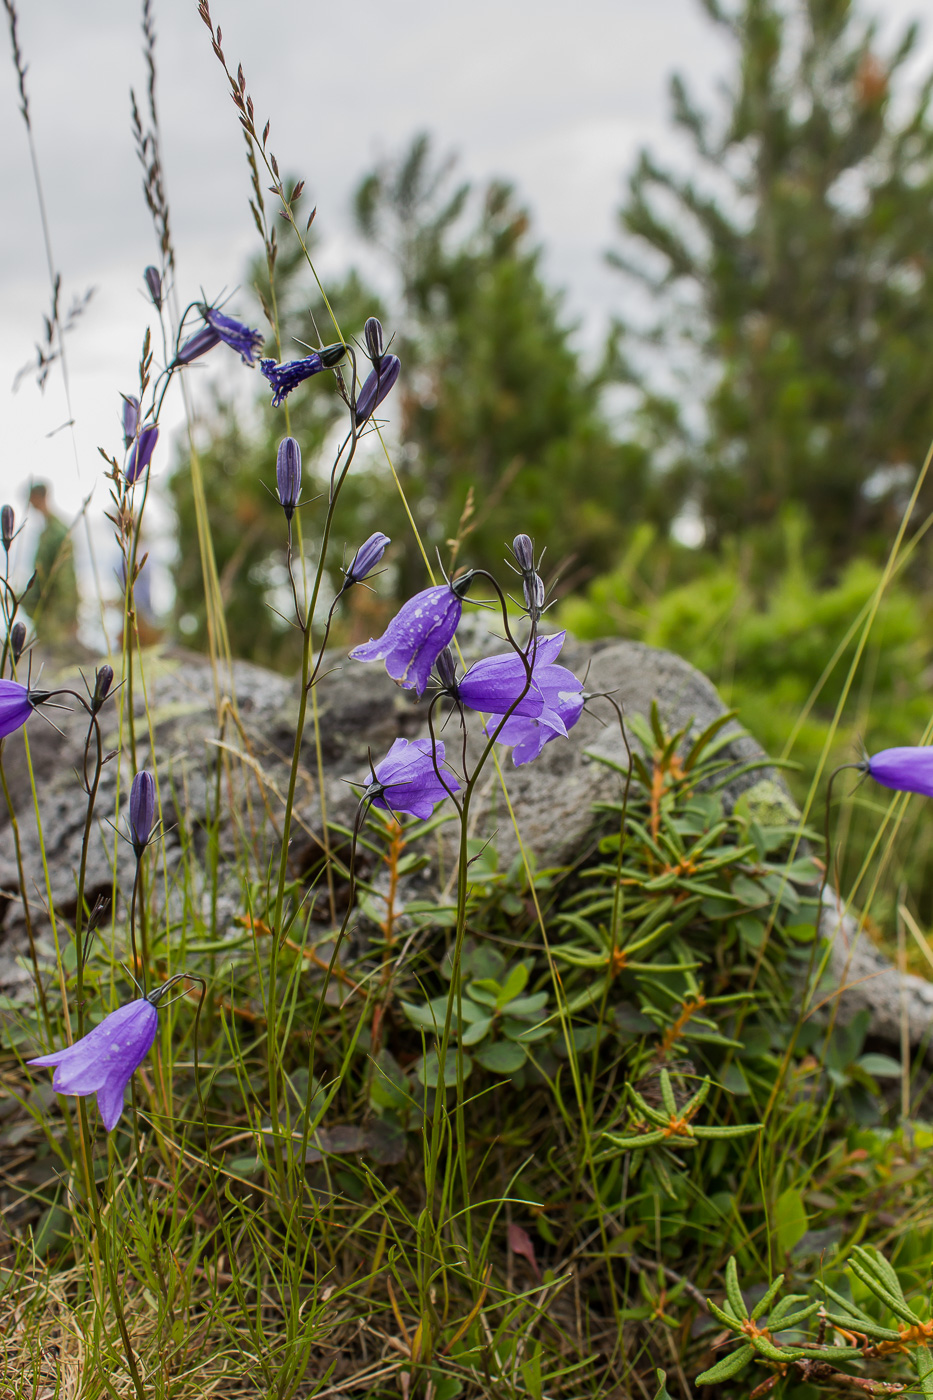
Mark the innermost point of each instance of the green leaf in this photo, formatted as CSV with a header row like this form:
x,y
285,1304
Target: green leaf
x,y
502,1057
728,1367
733,1291
879,1066
476,1030
662,1391
514,984
790,1219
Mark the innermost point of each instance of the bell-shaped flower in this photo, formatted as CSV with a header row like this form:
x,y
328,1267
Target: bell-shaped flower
x,y
241,338
141,455
407,778
903,769
417,634
104,1061
376,386
17,703
494,684
286,377
562,694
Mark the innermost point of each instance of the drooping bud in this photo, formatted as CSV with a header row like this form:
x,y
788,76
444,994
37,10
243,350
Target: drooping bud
x,y
154,283
7,524
366,558
372,336
142,810
288,475
102,683
130,418
377,386
17,639
447,671
524,552
197,344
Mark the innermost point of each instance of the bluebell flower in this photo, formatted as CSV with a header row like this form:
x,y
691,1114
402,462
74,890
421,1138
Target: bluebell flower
x,y
366,558
104,1061
562,694
286,377
494,684
142,810
406,780
417,634
903,769
17,703
141,455
288,475
245,341
376,386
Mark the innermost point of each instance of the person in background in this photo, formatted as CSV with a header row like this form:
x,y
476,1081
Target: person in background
x,y
52,598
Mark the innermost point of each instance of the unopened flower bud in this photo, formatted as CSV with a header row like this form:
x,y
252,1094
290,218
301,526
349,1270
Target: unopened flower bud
x,y
154,283
142,810
533,589
7,524
372,336
376,387
447,671
288,475
332,354
367,557
17,639
102,684
524,552
141,455
130,418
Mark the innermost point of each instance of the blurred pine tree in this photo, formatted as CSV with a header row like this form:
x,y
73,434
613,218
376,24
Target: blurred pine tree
x,y
790,280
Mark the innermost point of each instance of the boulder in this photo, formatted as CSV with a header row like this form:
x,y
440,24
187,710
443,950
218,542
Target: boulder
x,y
360,712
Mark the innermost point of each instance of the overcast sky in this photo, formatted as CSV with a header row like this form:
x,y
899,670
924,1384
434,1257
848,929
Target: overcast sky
x,y
555,96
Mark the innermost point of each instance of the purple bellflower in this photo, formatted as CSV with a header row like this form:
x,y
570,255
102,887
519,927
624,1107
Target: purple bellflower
x,y
245,341
286,377
904,769
130,418
417,634
376,386
142,810
366,558
494,684
141,455
17,704
288,474
104,1061
562,693
406,780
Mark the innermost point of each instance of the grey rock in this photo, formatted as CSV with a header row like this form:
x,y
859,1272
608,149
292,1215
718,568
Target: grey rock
x,y
360,711
859,977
